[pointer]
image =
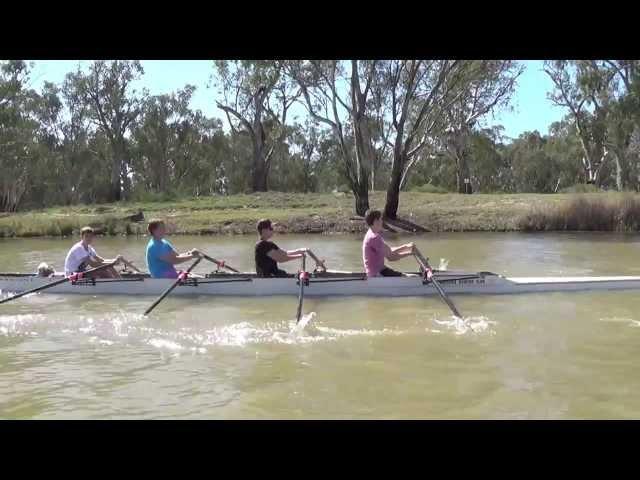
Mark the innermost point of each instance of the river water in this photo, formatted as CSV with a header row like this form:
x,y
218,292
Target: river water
x,y
542,356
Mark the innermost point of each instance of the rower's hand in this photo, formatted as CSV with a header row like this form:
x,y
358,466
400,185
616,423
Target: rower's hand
x,y
320,264
195,253
119,259
411,246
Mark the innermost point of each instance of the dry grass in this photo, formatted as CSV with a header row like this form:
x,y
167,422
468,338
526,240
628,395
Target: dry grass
x,y
611,212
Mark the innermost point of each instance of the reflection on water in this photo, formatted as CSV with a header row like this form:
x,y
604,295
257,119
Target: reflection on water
x,y
523,356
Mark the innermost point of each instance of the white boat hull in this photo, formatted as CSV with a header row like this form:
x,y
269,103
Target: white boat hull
x,y
343,285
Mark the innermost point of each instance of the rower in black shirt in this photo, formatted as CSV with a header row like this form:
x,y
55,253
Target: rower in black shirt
x,y
267,253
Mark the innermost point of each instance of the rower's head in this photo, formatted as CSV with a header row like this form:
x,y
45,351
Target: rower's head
x,y
157,228
374,220
44,270
87,235
265,229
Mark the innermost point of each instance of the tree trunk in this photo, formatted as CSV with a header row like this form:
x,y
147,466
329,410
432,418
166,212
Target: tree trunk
x,y
622,171
259,181
361,194
462,173
116,170
393,190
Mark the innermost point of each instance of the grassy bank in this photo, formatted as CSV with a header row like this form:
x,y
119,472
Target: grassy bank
x,y
333,213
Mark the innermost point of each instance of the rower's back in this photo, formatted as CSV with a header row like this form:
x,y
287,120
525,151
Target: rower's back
x,y
265,265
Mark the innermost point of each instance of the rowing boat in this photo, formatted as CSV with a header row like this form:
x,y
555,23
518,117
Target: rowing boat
x,y
330,283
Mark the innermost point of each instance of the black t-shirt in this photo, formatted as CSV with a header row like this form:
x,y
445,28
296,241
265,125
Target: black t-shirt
x,y
265,265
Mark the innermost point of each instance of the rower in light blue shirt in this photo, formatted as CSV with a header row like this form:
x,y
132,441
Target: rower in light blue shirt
x,y
161,256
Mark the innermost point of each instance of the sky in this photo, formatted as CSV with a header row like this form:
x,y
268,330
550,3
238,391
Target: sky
x,y
530,108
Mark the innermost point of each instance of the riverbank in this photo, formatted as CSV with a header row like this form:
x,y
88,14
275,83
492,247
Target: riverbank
x,y
328,214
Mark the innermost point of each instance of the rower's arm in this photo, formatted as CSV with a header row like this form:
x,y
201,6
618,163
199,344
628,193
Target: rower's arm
x,y
101,261
174,258
396,253
96,261
282,256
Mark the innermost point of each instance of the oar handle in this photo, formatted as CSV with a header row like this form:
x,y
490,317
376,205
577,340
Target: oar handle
x,y
219,263
131,265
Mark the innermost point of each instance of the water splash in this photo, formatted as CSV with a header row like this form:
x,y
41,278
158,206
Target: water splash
x,y
462,326
444,264
305,322
124,328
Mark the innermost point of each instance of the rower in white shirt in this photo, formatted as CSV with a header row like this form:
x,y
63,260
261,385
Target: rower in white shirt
x,y
82,256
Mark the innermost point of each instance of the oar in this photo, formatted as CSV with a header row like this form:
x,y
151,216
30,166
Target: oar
x,y
70,278
427,269
131,265
319,262
219,263
183,276
302,276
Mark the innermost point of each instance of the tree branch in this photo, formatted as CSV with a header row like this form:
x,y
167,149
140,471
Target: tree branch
x,y
245,123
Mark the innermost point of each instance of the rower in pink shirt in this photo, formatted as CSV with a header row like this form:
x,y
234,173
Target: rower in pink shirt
x,y
375,250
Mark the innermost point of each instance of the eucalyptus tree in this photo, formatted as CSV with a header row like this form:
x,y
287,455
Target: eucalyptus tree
x,y
113,106
481,87
18,131
416,92
257,96
340,98
584,88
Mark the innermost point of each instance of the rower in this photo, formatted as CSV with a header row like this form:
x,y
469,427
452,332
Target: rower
x,y
83,256
161,255
375,250
44,270
268,254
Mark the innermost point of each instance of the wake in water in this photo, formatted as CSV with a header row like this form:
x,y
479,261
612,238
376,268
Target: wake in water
x,y
124,328
21,325
630,321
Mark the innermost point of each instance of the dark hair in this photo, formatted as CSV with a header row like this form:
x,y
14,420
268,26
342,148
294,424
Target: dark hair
x,y
85,230
264,223
371,216
153,224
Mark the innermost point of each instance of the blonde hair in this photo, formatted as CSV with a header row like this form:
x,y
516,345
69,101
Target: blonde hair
x,y
86,230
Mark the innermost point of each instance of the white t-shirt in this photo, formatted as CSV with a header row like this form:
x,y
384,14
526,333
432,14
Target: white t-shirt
x,y
76,256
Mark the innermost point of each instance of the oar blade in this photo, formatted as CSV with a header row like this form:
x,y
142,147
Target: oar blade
x,y
302,278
